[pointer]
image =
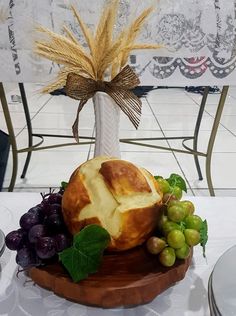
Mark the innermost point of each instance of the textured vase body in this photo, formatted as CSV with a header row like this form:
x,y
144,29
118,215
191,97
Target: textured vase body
x,y
107,119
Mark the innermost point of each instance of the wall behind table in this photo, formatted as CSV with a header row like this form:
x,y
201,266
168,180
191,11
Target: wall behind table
x,y
198,36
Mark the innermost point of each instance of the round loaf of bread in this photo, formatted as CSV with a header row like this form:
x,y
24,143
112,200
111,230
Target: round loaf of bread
x,y
116,194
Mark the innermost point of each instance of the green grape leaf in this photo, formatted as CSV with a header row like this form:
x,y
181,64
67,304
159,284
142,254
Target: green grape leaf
x,y
178,181
158,177
64,184
204,236
85,255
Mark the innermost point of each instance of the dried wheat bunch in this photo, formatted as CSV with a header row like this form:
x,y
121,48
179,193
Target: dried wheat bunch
x,y
105,55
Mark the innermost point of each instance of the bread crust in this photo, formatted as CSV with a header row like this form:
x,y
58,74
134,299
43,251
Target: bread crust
x,y
123,178
125,182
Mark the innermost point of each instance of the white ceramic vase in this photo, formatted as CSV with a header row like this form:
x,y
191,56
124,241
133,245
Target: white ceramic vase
x,y
107,120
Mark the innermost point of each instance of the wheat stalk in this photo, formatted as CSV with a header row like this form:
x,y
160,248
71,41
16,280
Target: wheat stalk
x,y
69,52
3,14
144,46
86,31
104,37
105,52
109,58
132,34
62,77
64,60
70,34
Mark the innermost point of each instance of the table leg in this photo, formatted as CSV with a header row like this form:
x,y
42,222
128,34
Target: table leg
x,y
213,136
29,128
12,137
196,131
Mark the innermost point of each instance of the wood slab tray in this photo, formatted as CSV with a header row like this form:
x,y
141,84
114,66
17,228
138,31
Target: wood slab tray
x,y
124,279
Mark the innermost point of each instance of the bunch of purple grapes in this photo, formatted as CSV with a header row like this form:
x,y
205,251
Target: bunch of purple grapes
x,y
42,233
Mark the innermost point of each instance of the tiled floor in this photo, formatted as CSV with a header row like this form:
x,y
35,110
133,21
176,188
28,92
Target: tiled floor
x,y
166,112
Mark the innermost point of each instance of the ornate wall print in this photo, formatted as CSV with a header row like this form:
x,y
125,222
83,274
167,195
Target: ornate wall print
x,y
199,38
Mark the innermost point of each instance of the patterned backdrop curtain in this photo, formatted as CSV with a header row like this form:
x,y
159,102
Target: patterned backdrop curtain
x,y
198,38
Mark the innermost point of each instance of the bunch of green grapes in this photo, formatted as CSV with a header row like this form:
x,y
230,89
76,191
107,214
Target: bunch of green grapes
x,y
179,228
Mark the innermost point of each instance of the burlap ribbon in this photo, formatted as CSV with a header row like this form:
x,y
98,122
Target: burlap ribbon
x,y
82,88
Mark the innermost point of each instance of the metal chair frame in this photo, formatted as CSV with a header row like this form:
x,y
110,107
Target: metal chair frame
x,y
135,141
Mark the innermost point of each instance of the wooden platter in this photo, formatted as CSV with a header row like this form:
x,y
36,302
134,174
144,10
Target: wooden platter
x,y
124,279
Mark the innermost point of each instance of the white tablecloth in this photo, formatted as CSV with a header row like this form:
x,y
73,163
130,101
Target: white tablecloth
x,y
198,35
186,298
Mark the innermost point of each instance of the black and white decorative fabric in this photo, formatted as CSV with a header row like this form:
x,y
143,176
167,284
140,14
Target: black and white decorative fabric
x,y
198,38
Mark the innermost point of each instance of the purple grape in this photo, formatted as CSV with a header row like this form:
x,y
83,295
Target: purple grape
x,y
45,206
15,239
55,223
28,220
26,257
37,231
38,210
45,247
55,198
54,209
62,242
25,240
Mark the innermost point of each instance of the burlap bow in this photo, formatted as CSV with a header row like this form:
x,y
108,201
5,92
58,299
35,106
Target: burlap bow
x,y
82,88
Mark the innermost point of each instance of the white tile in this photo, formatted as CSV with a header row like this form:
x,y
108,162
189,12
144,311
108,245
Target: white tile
x,y
157,163
229,122
126,134
211,99
18,121
229,109
62,104
232,91
176,111
224,142
33,189
185,123
142,134
61,120
47,168
169,98
35,99
147,122
172,109
22,139
146,110
222,169
218,192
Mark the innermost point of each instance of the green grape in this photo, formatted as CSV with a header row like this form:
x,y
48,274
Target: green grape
x,y
155,245
183,252
192,236
193,222
188,206
168,226
167,257
164,185
176,191
173,202
176,213
175,239
167,197
162,221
